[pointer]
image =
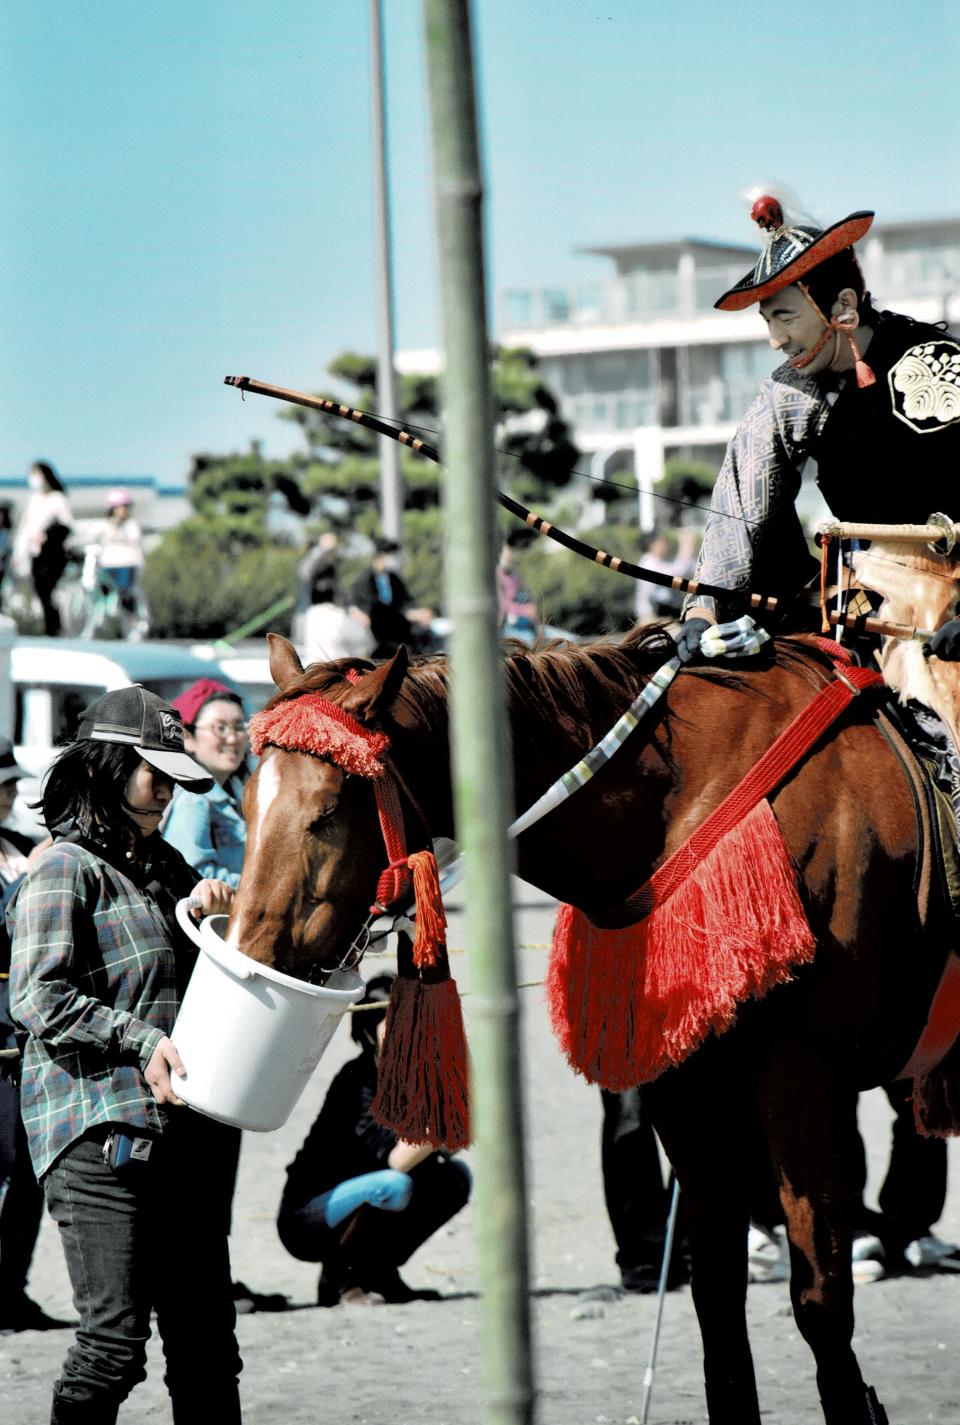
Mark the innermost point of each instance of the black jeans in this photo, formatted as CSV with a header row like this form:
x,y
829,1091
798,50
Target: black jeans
x,y
149,1235
370,1240
21,1209
914,1190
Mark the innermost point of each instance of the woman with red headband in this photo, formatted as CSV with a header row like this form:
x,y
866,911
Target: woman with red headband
x,y
873,397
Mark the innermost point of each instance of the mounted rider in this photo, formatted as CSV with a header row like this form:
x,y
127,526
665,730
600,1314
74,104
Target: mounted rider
x,y
872,396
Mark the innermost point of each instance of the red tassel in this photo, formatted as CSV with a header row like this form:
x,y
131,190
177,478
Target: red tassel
x,y
627,1004
865,376
422,1073
936,1098
431,921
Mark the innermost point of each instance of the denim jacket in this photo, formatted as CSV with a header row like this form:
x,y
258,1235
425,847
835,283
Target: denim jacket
x,y
209,830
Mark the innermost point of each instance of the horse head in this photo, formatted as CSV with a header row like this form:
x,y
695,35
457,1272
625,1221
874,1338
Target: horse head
x,y
315,850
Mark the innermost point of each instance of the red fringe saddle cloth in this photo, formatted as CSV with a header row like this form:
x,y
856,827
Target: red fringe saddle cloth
x,y
627,1004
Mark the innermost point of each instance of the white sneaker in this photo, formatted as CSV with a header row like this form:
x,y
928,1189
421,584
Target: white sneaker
x,y
866,1269
867,1259
932,1252
867,1248
768,1255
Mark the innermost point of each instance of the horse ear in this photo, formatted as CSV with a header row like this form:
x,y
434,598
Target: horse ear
x,y
377,690
285,665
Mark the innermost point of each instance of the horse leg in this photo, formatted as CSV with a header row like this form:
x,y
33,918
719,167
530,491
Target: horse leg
x,y
696,1114
811,1125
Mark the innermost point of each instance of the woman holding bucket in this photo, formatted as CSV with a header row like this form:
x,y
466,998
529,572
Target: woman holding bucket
x,y
98,969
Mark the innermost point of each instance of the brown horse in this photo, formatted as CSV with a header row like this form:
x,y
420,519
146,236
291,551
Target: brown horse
x,y
797,1058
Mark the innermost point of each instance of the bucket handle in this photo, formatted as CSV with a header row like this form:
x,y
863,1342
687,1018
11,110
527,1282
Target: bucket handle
x,y
186,921
211,944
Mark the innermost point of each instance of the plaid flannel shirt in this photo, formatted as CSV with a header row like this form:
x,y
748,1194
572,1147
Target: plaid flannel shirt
x,y
93,982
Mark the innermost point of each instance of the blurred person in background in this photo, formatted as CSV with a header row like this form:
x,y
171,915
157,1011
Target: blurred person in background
x,y
120,542
209,830
357,1198
21,1197
6,541
382,602
518,612
653,601
39,546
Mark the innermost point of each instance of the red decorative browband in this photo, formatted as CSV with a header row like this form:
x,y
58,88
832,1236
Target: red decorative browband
x,y
310,723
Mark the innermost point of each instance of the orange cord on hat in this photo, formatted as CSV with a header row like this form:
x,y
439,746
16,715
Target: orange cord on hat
x,y
843,325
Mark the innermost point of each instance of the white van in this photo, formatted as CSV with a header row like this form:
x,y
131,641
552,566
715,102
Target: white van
x,y
54,679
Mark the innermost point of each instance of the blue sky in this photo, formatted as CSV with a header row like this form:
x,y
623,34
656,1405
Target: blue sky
x,y
186,188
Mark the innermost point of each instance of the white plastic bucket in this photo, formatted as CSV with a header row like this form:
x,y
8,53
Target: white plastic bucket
x,y
250,1037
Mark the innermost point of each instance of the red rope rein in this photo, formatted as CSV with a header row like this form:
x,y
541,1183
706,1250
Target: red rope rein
x,y
780,758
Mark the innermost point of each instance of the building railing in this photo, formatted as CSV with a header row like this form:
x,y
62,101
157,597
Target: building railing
x,y
649,296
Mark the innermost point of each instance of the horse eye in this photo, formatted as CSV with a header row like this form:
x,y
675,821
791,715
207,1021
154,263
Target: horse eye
x,y
324,817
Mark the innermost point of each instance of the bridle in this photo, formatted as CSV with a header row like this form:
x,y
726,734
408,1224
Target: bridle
x,y
311,723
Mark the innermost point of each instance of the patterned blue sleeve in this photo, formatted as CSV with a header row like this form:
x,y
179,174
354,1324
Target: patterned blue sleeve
x,y
753,531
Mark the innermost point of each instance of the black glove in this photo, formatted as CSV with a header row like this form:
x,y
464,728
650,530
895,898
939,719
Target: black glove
x,y
945,643
688,639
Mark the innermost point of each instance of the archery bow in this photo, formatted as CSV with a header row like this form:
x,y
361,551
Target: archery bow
x,y
767,602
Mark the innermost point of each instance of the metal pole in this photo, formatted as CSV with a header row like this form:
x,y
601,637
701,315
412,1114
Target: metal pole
x,y
661,1293
391,495
480,750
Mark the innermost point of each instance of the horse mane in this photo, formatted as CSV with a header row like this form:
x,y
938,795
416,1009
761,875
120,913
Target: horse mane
x,y
558,681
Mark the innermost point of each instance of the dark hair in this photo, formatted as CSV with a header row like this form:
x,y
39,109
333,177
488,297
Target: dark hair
x,y
383,545
49,474
86,785
826,282
363,1026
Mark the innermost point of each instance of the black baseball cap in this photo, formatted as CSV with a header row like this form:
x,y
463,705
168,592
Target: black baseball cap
x,y
152,727
10,769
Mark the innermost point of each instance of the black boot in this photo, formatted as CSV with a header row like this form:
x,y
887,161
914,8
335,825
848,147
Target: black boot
x,y
83,1412
878,1416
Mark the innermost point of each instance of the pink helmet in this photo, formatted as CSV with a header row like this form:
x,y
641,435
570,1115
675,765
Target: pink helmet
x,y
118,497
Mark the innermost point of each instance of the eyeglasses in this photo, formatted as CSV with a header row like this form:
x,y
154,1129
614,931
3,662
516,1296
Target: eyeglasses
x,y
223,729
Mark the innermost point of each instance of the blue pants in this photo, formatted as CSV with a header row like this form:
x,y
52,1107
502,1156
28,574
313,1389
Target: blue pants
x,y
376,1220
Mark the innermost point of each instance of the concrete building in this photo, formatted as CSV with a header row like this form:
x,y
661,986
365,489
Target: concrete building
x,y
643,347
643,363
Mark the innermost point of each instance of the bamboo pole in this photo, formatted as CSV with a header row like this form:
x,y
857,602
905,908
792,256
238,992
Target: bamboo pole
x,y
480,751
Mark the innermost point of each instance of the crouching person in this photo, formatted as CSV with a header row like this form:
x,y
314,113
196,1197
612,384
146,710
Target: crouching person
x,y
98,969
357,1199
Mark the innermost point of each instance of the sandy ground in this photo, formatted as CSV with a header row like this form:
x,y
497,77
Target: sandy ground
x,y
421,1362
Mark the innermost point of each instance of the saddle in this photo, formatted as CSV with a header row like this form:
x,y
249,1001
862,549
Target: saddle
x,y
934,1065
925,765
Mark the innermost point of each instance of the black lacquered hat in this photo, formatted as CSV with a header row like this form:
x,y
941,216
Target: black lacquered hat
x,y
10,768
793,250
138,717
